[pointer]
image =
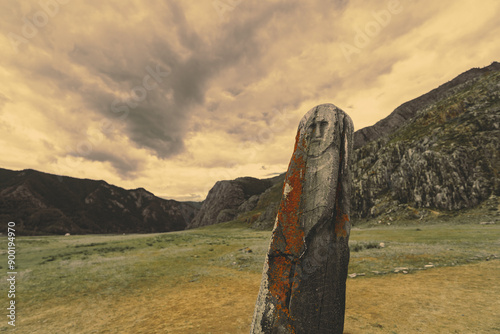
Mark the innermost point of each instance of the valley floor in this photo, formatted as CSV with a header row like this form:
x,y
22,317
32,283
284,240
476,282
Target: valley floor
x,y
207,280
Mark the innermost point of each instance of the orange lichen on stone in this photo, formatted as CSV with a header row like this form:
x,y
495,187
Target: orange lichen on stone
x,y
289,212
288,241
340,229
279,283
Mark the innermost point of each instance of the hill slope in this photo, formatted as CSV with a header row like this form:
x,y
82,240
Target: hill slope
x,y
408,110
42,203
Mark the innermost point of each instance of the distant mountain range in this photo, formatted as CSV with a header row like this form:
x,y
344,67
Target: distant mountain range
x,y
436,153
42,203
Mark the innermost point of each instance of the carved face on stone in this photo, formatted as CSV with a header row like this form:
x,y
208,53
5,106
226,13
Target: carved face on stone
x,y
320,131
321,145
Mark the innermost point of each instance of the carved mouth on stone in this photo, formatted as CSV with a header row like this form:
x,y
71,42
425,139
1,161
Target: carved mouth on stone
x,y
314,143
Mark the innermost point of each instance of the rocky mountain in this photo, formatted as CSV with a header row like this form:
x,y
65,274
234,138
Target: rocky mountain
x,y
435,154
228,198
446,157
42,203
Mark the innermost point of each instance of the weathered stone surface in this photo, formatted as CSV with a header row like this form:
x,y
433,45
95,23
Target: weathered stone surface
x,y
303,283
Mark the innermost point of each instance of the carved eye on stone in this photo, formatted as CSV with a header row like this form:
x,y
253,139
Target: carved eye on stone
x,y
323,126
310,128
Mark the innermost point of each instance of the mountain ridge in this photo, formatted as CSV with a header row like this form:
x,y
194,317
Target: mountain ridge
x,y
408,110
42,203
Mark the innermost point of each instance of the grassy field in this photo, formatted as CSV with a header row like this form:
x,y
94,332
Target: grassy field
x,y
206,281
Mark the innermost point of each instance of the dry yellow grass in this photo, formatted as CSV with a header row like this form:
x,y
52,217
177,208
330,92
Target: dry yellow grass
x,y
462,299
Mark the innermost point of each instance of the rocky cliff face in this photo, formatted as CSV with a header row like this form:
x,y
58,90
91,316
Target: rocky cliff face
x,y
438,152
225,198
445,158
41,203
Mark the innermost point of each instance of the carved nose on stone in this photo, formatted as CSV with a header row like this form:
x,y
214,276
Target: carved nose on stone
x,y
316,131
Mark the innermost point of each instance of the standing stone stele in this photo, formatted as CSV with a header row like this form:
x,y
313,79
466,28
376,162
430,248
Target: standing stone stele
x,y
304,277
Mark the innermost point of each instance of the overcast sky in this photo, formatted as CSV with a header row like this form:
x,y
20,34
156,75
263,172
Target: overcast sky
x,y
174,95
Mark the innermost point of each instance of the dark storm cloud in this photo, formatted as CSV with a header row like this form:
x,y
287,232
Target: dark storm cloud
x,y
124,165
147,93
157,118
147,76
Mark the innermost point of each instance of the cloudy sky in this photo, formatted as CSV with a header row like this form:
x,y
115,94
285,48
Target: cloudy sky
x,y
174,95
